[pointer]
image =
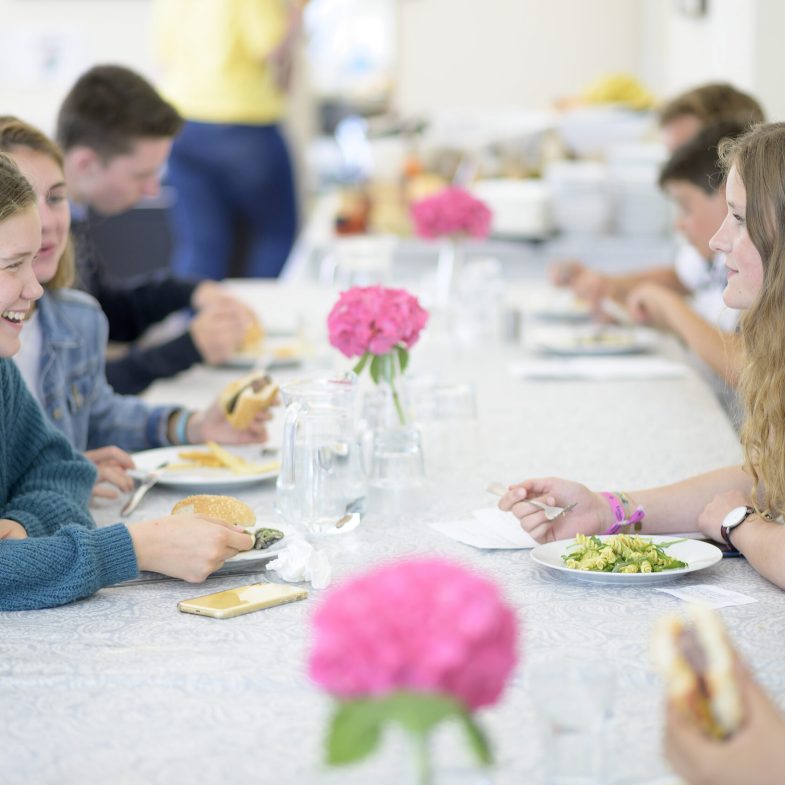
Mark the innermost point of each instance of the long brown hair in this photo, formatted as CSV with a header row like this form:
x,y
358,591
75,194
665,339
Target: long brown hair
x,y
759,159
15,133
16,193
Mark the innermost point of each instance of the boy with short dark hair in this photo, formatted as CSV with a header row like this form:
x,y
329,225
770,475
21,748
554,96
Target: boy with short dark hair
x,y
116,133
693,178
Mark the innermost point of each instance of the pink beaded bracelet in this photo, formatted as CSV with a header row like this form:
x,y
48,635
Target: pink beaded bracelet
x,y
617,503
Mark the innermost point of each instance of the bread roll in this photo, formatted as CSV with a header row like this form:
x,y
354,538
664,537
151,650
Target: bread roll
x,y
244,398
223,508
697,664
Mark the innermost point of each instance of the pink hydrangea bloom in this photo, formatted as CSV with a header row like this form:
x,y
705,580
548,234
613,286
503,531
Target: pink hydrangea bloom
x,y
375,319
422,625
452,211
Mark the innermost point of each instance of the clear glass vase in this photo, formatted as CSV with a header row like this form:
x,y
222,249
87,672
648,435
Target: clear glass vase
x,y
448,269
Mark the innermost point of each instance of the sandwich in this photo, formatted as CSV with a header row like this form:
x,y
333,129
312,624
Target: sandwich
x,y
697,663
242,399
229,510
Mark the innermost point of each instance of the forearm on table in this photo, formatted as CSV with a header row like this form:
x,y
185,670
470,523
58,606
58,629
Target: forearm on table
x,y
763,543
675,508
664,276
719,350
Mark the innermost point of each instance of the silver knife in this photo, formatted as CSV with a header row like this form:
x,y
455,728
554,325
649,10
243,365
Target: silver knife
x,y
150,479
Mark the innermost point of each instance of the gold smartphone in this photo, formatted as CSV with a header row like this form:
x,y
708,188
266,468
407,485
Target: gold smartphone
x,y
244,599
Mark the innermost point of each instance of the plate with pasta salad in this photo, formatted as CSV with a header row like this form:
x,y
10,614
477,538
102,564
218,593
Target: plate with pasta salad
x,y
630,559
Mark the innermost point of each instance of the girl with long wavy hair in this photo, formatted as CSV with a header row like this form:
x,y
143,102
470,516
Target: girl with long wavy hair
x,y
739,505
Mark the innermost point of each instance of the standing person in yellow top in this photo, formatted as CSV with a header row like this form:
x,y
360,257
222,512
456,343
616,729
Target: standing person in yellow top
x,y
226,68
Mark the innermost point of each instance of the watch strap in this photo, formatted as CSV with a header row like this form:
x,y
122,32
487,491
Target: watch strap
x,y
726,530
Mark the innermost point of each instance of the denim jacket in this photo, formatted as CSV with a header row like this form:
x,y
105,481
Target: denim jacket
x,y
72,382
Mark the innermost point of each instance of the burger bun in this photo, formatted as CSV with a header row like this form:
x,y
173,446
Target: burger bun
x,y
222,508
695,659
243,399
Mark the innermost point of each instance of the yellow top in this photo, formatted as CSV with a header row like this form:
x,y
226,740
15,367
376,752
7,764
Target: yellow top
x,y
214,52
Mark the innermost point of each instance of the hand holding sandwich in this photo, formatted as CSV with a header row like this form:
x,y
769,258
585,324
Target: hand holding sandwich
x,y
189,547
721,727
240,413
753,755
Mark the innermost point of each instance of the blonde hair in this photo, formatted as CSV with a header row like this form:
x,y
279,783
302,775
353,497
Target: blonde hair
x,y
16,193
15,133
759,159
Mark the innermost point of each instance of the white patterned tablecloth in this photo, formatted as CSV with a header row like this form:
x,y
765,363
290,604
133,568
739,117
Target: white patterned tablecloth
x,y
122,688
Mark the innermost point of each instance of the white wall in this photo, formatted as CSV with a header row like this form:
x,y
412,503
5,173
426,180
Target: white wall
x,y
46,44
454,53
769,51
486,53
738,41
715,47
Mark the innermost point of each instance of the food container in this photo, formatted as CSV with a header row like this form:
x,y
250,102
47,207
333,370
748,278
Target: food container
x,y
521,208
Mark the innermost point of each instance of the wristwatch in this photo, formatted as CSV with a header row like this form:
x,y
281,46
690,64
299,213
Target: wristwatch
x,y
733,519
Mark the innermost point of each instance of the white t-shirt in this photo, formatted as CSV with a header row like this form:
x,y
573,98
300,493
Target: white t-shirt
x,y
28,358
706,281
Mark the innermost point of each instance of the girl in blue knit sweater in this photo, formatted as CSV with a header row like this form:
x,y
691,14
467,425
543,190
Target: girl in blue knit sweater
x,y
50,551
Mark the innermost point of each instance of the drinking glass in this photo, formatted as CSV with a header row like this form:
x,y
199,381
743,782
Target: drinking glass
x,y
574,701
447,417
397,481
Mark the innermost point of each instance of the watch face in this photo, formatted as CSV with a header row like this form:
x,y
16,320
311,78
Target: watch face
x,y
735,517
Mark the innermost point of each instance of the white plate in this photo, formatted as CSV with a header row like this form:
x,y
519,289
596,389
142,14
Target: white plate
x,y
559,309
276,353
201,479
697,554
254,555
595,341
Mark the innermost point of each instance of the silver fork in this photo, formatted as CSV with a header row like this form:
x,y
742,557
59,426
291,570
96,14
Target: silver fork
x,y
551,512
147,482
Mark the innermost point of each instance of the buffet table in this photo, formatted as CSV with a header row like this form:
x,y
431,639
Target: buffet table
x,y
122,688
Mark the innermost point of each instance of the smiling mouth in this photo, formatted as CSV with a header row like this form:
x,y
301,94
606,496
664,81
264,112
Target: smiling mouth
x,y
17,317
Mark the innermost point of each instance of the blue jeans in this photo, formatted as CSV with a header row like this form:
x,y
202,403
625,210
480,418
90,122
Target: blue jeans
x,y
231,181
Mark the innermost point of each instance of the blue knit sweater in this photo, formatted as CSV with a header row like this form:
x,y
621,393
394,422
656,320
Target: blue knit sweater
x,y
46,486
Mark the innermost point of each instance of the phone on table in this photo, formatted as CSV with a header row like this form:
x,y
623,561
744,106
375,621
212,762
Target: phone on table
x,y
727,551
243,599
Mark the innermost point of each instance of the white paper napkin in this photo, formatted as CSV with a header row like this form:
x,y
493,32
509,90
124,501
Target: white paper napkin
x,y
299,561
488,528
598,368
708,594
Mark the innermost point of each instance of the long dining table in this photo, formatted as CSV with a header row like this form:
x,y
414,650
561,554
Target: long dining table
x,y
122,688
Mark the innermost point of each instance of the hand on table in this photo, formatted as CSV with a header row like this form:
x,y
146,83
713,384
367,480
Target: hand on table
x,y
113,465
11,530
710,520
218,329
653,304
563,273
190,547
754,755
591,515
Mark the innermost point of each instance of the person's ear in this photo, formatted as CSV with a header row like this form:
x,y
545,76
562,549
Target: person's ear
x,y
83,161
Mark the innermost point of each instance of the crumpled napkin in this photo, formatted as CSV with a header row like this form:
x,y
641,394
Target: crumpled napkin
x,y
300,561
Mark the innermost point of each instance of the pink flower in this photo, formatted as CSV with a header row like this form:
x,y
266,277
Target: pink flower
x,y
452,211
422,625
375,319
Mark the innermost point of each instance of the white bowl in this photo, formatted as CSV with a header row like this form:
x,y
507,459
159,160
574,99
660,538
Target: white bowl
x,y
521,208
